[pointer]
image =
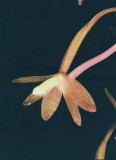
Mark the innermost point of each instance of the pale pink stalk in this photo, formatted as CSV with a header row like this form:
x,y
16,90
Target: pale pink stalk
x,y
81,68
78,39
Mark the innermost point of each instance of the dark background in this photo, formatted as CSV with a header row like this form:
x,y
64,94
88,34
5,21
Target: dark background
x,y
34,36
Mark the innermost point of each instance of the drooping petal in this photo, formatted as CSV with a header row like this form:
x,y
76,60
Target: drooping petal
x,y
32,79
111,98
31,99
50,103
100,154
85,101
81,96
70,97
78,39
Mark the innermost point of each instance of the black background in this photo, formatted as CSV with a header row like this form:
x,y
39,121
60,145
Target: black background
x,y
34,36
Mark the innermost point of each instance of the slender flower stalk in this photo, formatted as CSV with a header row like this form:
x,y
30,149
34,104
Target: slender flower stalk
x,y
55,85
111,98
78,39
100,154
80,69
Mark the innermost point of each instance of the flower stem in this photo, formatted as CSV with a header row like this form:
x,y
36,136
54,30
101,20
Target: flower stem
x,y
81,68
111,98
77,40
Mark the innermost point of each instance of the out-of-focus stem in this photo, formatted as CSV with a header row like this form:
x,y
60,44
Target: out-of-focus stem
x,y
77,40
80,69
111,98
100,154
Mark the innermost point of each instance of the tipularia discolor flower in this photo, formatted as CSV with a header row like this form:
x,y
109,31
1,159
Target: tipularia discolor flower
x,y
74,93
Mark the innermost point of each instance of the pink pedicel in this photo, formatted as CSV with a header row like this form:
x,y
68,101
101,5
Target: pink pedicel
x,y
84,66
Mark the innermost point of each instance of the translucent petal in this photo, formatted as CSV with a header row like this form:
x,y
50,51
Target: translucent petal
x,y
71,101
80,95
85,100
50,103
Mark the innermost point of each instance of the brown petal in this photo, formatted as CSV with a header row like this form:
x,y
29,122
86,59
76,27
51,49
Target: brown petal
x,y
82,97
85,100
72,105
31,99
111,98
32,79
100,154
50,103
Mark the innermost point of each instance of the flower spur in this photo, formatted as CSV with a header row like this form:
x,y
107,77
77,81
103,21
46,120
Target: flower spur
x,y
74,93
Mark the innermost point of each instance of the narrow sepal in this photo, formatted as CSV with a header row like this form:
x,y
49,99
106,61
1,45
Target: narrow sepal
x,y
32,79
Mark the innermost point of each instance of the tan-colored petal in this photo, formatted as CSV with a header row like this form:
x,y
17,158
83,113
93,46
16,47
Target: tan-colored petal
x,y
69,96
111,98
73,108
50,103
85,101
82,97
100,154
78,39
31,99
32,79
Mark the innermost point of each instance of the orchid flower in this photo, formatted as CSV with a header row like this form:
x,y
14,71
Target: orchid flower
x,y
111,98
74,93
100,154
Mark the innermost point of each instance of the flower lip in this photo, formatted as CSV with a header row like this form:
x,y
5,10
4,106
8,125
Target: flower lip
x,y
46,86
